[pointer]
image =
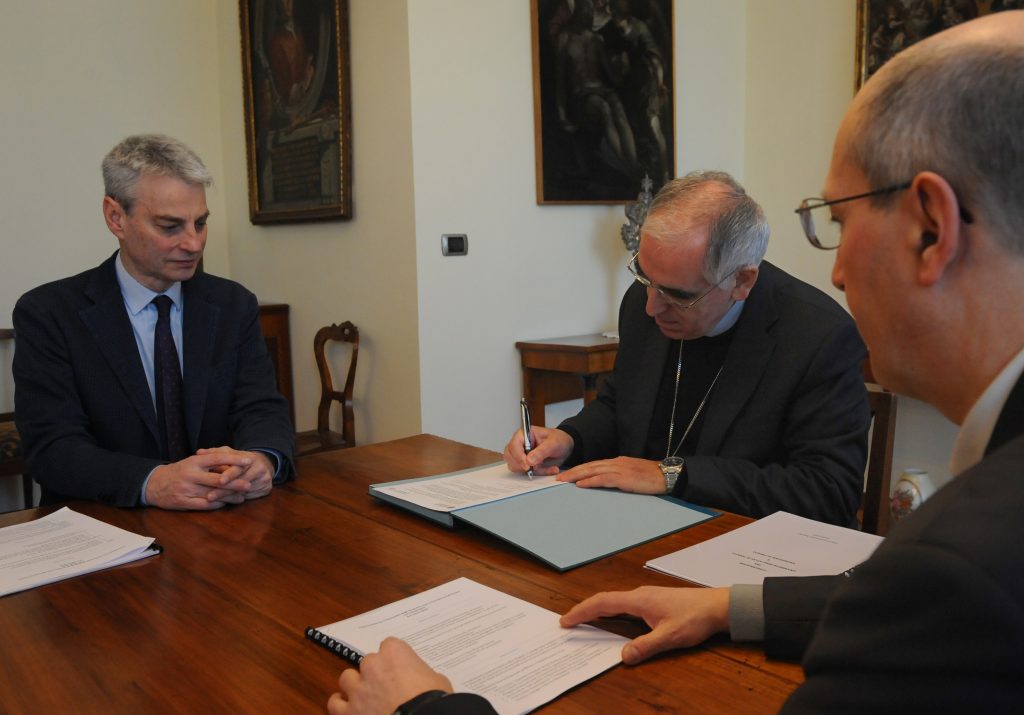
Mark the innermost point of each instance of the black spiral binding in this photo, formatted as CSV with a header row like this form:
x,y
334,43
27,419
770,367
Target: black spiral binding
x,y
339,649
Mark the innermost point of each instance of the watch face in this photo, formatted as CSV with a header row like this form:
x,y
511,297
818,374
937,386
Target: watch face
x,y
672,465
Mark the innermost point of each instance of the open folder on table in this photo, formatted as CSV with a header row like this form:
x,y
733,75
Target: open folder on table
x,y
561,524
487,642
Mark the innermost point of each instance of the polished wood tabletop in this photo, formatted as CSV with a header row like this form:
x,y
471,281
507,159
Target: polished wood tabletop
x,y
215,623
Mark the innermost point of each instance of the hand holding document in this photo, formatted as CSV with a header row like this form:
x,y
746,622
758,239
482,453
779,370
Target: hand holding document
x,y
782,544
62,545
508,650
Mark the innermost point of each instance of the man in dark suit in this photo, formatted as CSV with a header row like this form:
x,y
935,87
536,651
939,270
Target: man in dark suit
x,y
101,416
924,186
736,386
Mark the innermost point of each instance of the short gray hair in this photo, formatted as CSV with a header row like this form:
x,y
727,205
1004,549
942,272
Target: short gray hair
x,y
737,228
956,110
143,154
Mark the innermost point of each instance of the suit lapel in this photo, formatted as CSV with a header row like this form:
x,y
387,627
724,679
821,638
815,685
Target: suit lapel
x,y
646,384
745,363
199,329
108,322
1011,419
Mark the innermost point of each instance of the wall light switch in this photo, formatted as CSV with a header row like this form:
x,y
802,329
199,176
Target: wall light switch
x,y
454,244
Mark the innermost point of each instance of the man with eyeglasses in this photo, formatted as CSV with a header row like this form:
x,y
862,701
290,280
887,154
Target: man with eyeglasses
x,y
933,622
736,386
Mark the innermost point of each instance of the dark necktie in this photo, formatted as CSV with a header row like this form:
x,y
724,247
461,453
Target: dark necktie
x,y
167,371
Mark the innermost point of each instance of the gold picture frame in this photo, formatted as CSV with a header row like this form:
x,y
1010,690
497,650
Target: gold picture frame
x,y
298,125
884,27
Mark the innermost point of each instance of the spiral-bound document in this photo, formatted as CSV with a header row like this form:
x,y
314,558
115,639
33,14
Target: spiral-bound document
x,y
487,642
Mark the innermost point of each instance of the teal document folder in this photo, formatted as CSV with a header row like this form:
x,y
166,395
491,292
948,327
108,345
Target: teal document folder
x,y
566,526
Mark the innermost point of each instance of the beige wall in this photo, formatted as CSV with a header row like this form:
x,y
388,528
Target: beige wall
x,y
364,269
434,82
77,78
532,271
800,78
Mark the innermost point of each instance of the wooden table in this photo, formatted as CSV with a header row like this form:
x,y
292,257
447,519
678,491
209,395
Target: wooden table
x,y
559,369
215,623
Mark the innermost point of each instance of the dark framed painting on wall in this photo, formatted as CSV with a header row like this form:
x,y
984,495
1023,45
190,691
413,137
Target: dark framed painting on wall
x,y
604,106
884,27
298,125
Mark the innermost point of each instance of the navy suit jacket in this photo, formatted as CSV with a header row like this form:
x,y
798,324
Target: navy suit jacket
x,y
933,622
83,405
786,425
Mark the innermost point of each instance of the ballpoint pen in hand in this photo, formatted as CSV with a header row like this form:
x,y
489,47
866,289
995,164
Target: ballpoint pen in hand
x,y
524,413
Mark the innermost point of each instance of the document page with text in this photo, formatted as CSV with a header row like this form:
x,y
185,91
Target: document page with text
x,y
467,488
508,650
61,545
781,544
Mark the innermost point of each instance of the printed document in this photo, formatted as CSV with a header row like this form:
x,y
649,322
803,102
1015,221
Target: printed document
x,y
508,650
466,488
62,545
782,544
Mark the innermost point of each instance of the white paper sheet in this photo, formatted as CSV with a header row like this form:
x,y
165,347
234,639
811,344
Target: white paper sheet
x,y
782,544
61,545
508,650
468,488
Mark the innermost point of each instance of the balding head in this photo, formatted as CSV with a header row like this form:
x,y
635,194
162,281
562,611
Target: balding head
x,y
952,104
715,203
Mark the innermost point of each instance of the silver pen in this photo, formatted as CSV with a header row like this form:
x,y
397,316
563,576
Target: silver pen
x,y
524,413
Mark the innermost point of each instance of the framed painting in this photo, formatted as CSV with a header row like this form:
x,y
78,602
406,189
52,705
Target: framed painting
x,y
603,100
298,125
884,27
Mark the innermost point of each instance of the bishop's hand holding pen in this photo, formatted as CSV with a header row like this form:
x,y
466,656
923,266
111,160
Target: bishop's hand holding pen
x,y
547,449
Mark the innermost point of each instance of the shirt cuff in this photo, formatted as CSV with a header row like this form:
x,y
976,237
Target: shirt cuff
x,y
278,461
746,613
145,483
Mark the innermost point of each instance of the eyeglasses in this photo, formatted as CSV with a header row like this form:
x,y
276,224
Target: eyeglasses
x,y
677,298
828,236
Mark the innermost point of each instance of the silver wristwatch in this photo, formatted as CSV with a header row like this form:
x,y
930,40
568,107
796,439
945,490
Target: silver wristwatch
x,y
671,468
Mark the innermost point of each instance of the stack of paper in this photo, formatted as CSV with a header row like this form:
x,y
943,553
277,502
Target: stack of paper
x,y
62,545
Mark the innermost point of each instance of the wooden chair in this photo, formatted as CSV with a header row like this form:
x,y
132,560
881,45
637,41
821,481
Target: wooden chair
x,y
12,460
875,507
323,438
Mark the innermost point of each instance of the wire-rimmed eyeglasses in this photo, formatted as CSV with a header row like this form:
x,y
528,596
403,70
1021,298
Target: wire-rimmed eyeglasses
x,y
828,239
678,299
828,236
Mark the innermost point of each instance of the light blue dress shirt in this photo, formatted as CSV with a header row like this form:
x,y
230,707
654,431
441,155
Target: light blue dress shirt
x,y
138,301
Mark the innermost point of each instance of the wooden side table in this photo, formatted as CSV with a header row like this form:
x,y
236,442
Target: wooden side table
x,y
559,369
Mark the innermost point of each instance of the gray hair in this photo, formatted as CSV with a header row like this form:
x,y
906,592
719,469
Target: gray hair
x,y
737,228
156,154
956,110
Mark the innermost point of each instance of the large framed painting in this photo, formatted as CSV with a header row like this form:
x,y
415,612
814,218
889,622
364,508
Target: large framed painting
x,y
604,110
884,27
298,126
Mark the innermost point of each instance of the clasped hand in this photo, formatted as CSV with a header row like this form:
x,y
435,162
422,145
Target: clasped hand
x,y
211,479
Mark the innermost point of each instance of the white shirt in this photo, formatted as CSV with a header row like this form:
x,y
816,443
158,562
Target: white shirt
x,y
976,431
